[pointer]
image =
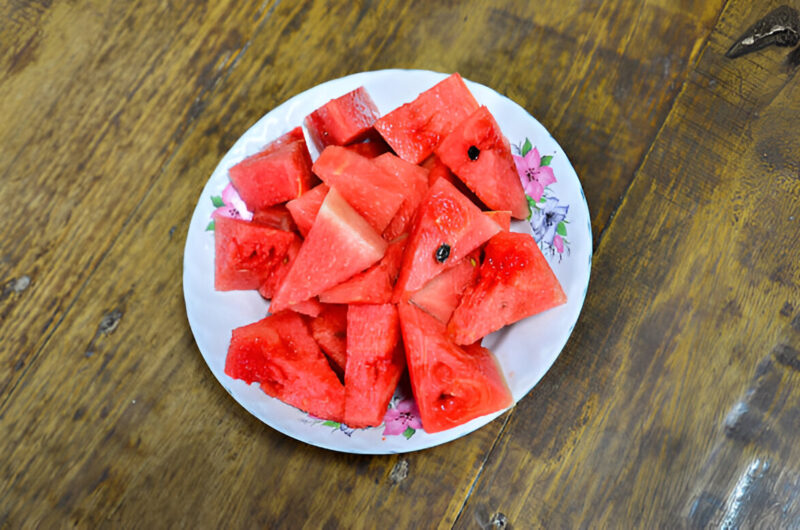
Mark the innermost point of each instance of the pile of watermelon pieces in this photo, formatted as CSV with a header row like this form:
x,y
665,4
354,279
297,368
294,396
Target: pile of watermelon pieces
x,y
391,250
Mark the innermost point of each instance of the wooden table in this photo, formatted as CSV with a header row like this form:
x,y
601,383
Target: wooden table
x,y
676,402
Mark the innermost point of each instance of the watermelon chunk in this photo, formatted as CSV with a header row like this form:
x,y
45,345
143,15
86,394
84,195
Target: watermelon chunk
x,y
275,216
279,353
374,285
310,307
441,295
501,217
280,172
415,179
478,153
270,285
371,191
246,253
340,244
370,148
415,129
451,385
329,329
304,208
439,169
515,282
446,218
375,362
343,120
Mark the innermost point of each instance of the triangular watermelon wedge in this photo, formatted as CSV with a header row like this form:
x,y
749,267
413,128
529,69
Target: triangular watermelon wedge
x,y
515,282
280,353
413,130
280,172
374,285
329,329
447,228
304,208
340,244
441,295
501,217
451,385
270,286
310,307
373,192
375,362
411,176
478,153
246,254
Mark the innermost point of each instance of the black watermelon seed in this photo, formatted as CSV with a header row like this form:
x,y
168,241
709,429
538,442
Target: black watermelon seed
x,y
473,152
442,253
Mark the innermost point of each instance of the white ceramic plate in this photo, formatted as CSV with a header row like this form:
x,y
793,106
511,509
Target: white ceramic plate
x,y
525,350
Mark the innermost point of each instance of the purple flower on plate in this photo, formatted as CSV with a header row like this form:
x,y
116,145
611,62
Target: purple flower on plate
x,y
534,176
230,205
401,418
545,220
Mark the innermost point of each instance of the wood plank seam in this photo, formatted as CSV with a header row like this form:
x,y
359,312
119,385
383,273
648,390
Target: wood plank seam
x,y
644,158
189,127
480,468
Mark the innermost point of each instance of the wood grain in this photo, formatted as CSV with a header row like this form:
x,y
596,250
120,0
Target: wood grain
x,y
677,396
113,418
94,99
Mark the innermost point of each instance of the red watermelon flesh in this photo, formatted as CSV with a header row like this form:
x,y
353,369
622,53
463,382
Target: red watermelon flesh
x,y
451,385
329,329
374,193
339,245
346,119
310,307
279,353
374,285
375,362
275,216
478,153
270,285
370,148
515,282
415,178
501,217
415,129
274,175
439,169
295,135
445,217
441,295
246,253
304,208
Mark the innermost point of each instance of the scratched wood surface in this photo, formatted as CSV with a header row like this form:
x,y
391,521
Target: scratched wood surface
x,y
675,402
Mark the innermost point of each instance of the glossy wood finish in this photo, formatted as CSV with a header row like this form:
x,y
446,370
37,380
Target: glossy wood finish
x,y
675,403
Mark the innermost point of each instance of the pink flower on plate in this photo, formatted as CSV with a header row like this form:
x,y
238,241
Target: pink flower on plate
x,y
403,416
232,205
558,242
534,176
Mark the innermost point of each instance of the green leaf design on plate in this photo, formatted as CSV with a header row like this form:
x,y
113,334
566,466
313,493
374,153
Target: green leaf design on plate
x,y
561,229
210,226
329,423
546,160
531,206
409,432
217,201
543,200
527,146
